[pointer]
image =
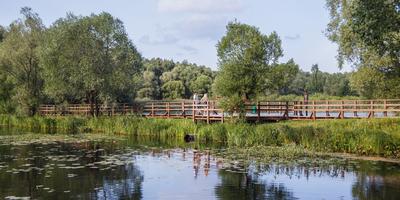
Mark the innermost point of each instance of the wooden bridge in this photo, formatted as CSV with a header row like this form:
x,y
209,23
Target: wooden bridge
x,y
210,111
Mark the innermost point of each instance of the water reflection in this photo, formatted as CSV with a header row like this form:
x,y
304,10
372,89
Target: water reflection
x,y
379,181
244,186
145,169
65,171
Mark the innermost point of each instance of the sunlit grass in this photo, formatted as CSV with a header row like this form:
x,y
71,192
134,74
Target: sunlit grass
x,y
379,137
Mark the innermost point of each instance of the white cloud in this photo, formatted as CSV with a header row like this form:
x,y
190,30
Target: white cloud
x,y
165,39
199,27
291,37
200,6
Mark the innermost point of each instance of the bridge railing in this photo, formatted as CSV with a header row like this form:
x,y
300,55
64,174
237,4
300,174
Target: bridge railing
x,y
262,110
86,109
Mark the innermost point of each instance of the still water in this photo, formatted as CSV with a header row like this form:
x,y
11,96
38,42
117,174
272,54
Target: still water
x,y
135,169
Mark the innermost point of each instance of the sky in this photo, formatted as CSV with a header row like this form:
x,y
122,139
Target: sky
x,y
190,29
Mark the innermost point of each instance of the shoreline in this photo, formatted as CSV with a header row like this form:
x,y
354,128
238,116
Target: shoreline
x,y
371,138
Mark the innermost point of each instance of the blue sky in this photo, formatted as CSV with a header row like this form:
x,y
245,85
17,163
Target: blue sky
x,y
190,29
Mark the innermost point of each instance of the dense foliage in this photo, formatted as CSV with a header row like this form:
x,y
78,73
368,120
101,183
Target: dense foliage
x,y
368,35
90,59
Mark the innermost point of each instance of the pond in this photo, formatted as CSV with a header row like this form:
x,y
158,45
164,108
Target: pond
x,y
157,169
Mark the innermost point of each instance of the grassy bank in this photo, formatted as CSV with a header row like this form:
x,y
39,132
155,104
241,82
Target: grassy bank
x,y
373,137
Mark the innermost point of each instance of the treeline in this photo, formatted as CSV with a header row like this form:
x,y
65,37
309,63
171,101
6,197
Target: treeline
x,y
90,59
166,79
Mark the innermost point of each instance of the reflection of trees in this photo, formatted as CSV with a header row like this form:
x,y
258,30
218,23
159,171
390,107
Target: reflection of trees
x,y
243,186
118,182
376,182
124,183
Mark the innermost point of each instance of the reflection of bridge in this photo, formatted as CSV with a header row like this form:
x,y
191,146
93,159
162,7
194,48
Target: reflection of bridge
x,y
257,111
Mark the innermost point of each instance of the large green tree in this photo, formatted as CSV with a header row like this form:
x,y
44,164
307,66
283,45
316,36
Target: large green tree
x,y
19,60
368,35
173,90
245,55
281,76
90,59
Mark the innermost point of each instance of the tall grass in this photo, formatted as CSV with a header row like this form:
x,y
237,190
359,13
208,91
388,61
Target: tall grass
x,y
379,137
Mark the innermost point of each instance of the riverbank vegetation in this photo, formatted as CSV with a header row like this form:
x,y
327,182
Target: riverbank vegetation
x,y
91,59
372,137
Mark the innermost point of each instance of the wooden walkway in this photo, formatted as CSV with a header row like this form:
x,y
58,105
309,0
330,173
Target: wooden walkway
x,y
257,111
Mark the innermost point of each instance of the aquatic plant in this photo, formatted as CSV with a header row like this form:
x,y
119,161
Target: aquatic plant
x,y
379,137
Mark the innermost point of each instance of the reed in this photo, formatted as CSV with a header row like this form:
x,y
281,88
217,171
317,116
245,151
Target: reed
x,y
379,137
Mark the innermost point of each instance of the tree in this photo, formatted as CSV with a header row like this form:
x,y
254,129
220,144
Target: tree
x,y
150,88
201,85
281,75
368,35
173,90
2,33
371,83
19,59
337,84
245,56
90,59
317,82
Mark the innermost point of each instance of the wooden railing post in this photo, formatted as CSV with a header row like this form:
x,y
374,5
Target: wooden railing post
x,y
258,111
286,110
167,109
208,112
152,109
355,109
223,116
372,112
301,108
183,109
385,108
314,112
327,109
193,111
342,110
